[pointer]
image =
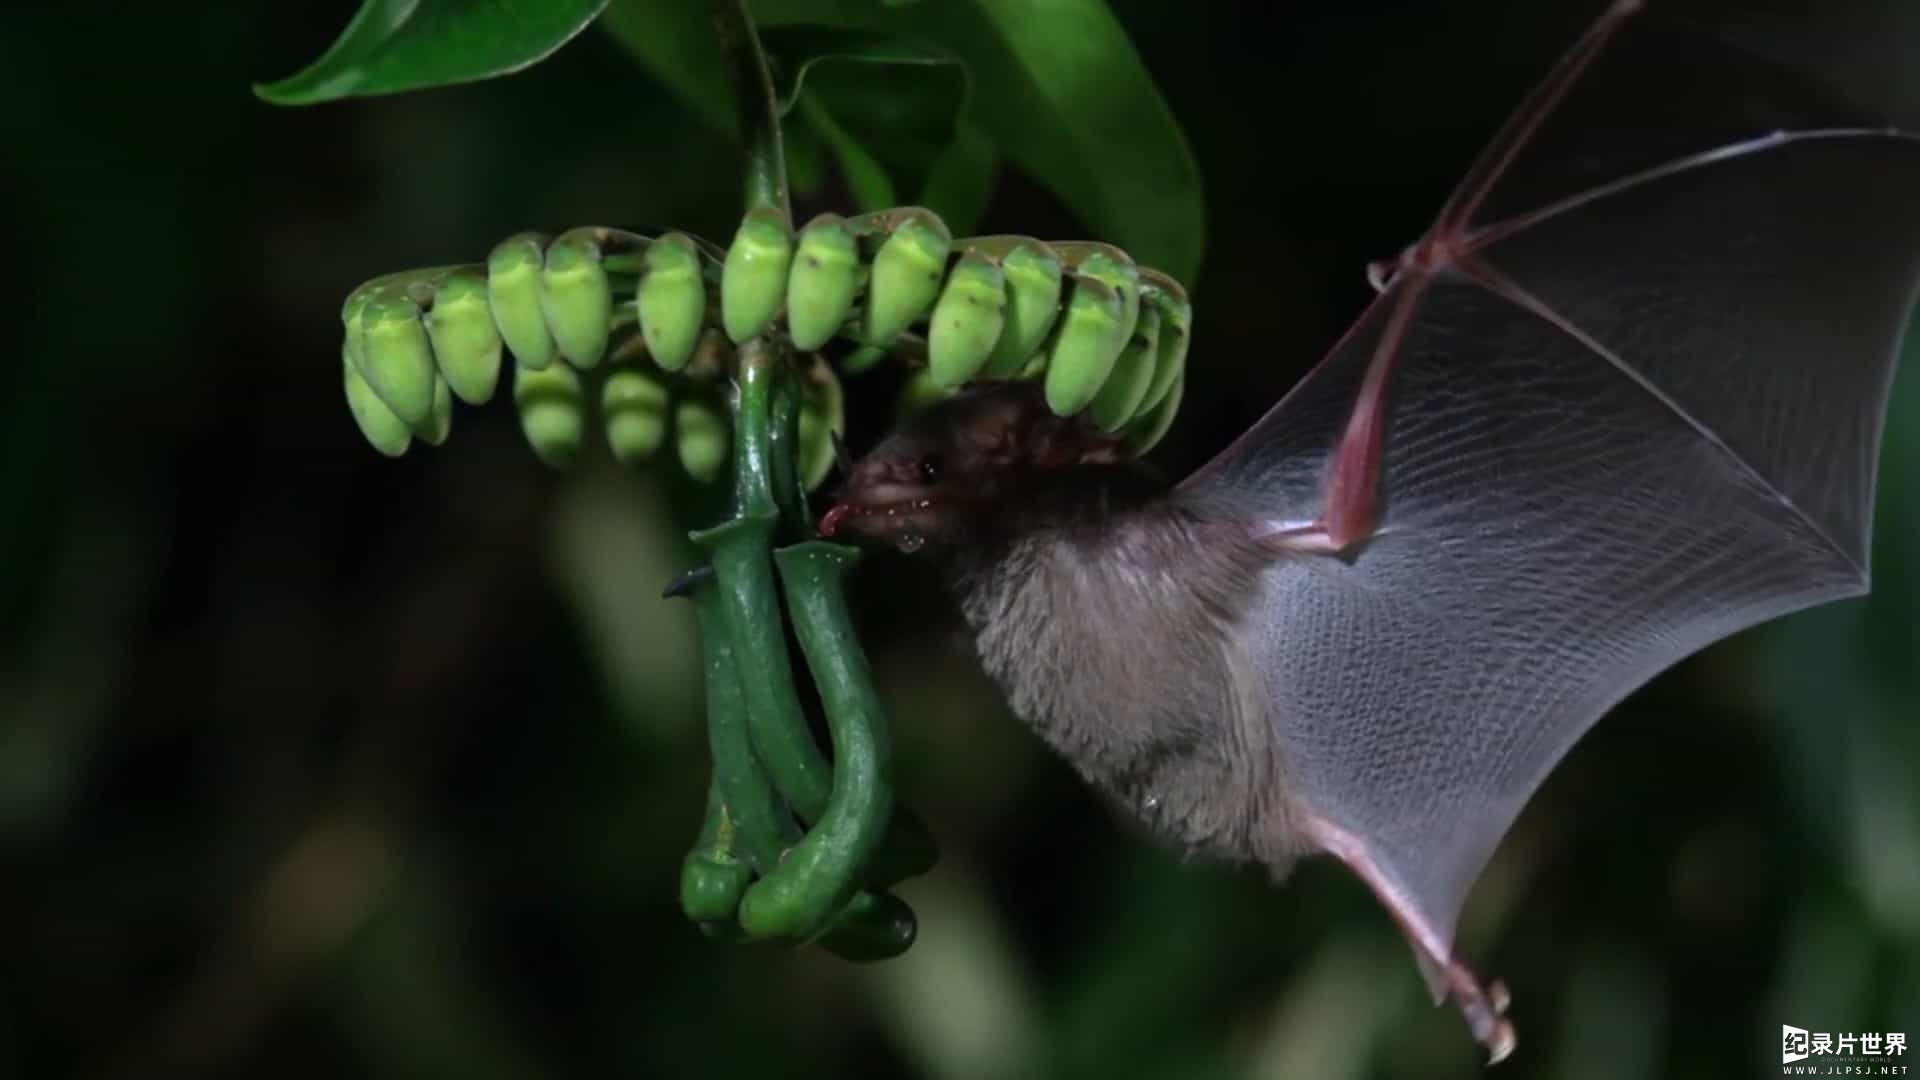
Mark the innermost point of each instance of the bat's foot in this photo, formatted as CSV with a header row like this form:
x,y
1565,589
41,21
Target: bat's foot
x,y
1484,1008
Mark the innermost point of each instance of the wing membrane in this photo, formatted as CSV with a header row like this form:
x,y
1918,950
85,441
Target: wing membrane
x,y
1636,409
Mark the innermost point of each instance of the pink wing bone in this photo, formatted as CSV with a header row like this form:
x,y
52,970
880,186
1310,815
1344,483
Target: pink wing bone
x,y
1351,502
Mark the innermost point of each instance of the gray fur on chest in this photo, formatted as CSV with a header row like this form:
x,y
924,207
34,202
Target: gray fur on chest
x,y
1121,646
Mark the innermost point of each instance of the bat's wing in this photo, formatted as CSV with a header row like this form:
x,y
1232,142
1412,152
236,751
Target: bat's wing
x,y
1624,400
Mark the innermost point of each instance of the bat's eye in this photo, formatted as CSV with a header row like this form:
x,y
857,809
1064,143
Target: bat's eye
x,y
929,469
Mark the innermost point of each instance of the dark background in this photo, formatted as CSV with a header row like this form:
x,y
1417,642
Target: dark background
x,y
314,764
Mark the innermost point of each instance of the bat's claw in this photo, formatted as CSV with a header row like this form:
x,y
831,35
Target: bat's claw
x,y
1483,1008
1486,1015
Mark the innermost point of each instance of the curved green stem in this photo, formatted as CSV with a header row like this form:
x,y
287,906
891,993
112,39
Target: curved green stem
x,y
752,87
754,823
821,872
784,420
748,828
742,552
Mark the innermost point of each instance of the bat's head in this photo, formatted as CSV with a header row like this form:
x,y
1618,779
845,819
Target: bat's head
x,y
968,469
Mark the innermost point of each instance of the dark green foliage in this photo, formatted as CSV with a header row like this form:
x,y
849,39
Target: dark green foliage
x,y
318,764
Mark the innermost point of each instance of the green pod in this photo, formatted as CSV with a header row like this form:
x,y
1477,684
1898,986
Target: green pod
x,y
1170,352
1146,432
918,392
873,926
820,874
753,280
967,321
514,268
711,886
672,300
634,406
746,822
552,413
1086,345
576,298
397,356
1120,396
439,422
700,434
1034,282
823,414
824,282
905,277
388,433
466,344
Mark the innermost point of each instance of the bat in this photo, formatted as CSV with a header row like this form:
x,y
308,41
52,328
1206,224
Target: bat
x,y
1621,400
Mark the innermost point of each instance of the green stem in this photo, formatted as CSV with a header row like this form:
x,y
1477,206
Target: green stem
x,y
785,423
748,828
760,826
821,872
742,551
778,729
752,86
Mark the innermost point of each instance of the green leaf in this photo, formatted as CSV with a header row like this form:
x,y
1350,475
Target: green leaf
x,y
866,178
888,109
1055,88
397,45
961,179
798,52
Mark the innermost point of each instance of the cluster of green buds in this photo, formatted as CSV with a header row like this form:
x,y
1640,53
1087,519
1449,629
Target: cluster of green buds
x,y
737,353
655,322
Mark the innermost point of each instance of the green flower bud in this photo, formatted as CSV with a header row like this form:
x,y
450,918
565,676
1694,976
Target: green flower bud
x,y
635,407
753,280
672,300
388,433
824,282
967,321
466,344
576,298
1034,283
702,436
1086,345
513,291
1170,351
1120,396
1146,432
397,357
552,413
906,277
439,422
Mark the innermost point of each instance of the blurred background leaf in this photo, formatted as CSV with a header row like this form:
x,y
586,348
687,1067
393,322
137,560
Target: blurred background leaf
x,y
314,764
1057,89
888,111
396,45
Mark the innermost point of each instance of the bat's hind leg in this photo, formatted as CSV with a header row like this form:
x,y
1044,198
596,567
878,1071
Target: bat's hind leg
x,y
1484,1007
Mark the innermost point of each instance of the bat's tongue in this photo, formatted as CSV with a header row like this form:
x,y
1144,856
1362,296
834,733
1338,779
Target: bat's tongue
x,y
830,521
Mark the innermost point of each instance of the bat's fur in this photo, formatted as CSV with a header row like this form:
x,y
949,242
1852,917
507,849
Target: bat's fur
x,y
1134,672
1109,615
